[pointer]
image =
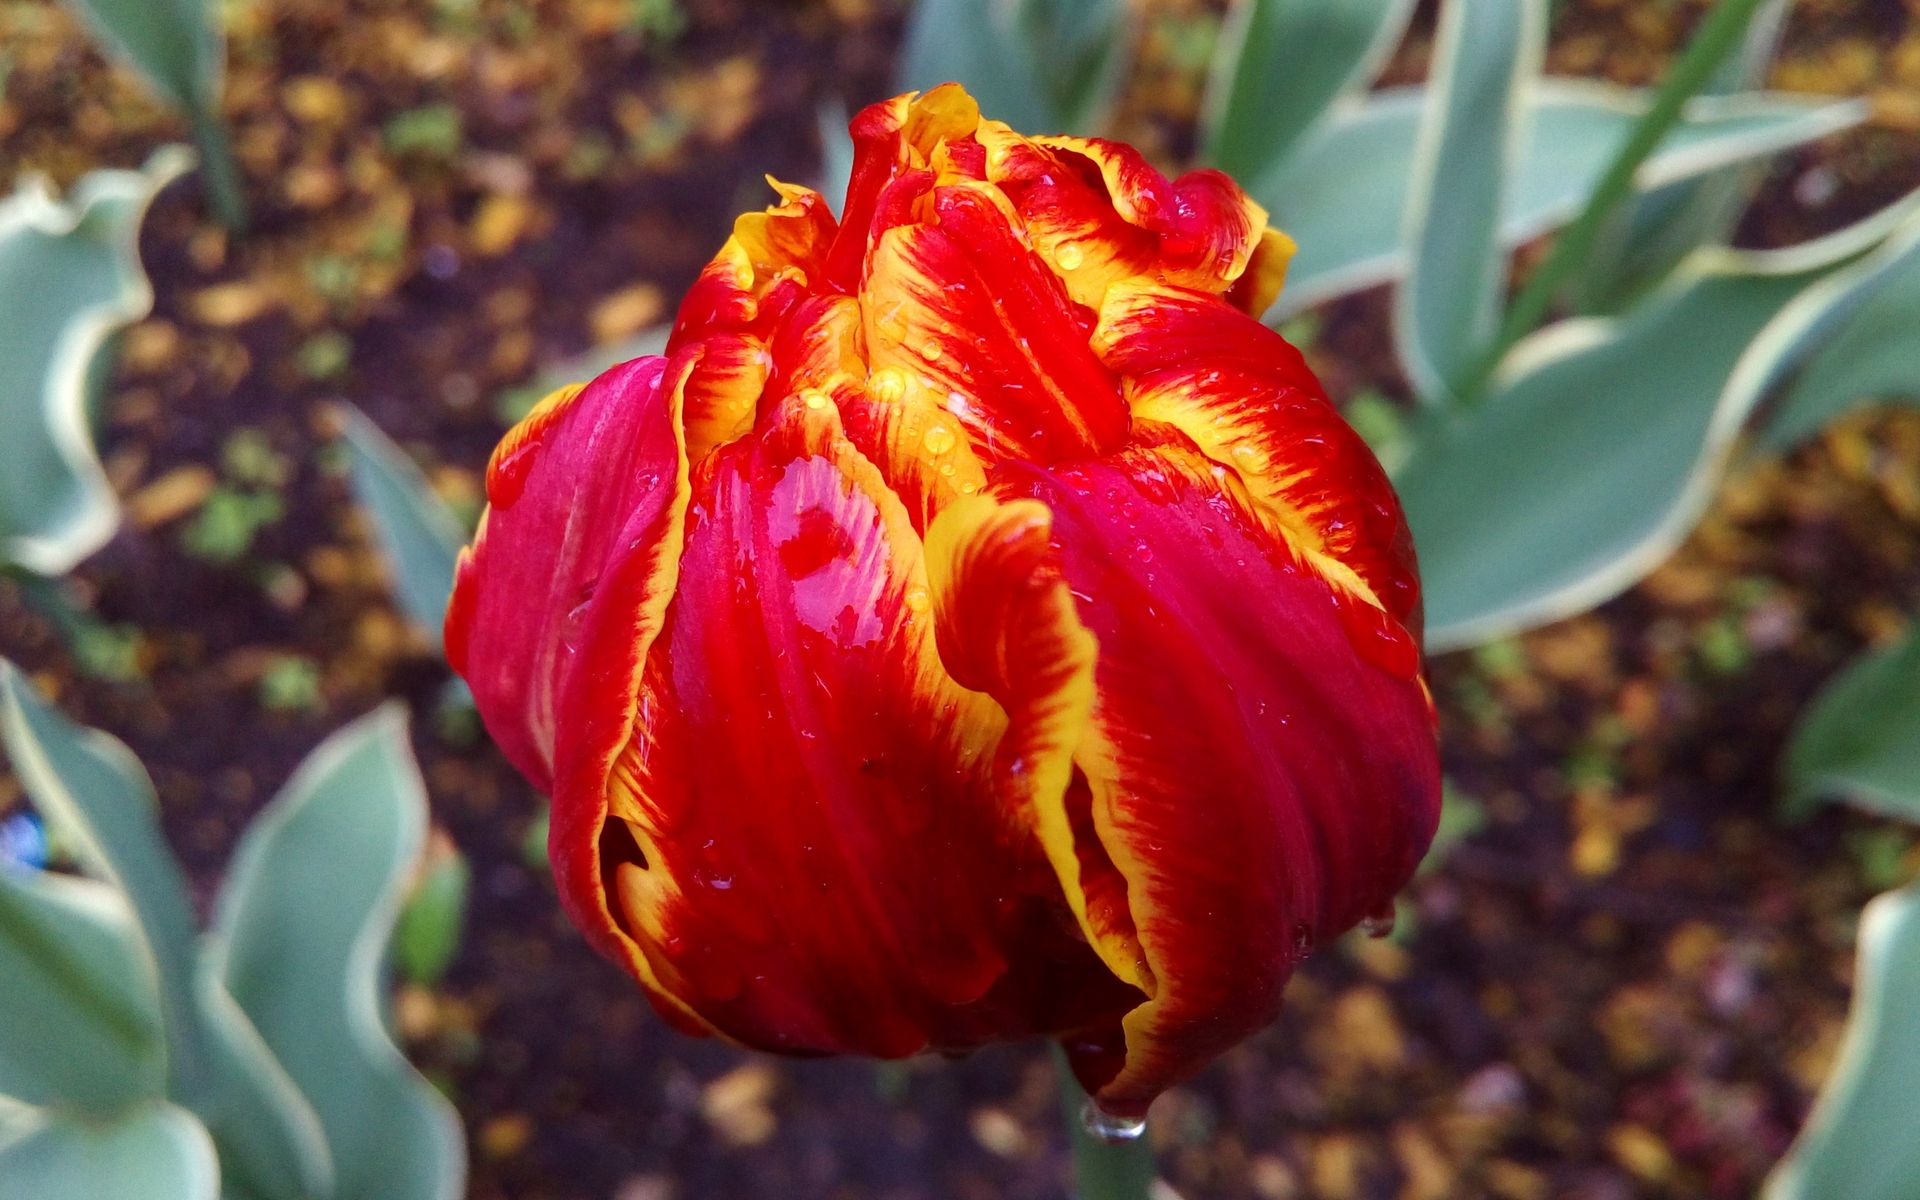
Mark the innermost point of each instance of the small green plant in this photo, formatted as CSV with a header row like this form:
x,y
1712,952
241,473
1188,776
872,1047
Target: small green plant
x,y
70,279
177,46
144,1060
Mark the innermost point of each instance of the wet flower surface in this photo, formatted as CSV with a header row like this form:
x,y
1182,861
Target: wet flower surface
x,y
977,625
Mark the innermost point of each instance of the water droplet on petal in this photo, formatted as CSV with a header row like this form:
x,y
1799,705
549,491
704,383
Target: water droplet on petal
x,y
814,399
929,350
1248,455
938,440
916,599
1070,257
1302,939
887,385
1111,1128
1379,924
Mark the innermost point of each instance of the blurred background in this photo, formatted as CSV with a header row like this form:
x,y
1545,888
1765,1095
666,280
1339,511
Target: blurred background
x,y
1626,970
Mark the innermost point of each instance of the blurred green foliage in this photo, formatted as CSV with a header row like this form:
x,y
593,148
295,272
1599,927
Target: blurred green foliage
x,y
141,1059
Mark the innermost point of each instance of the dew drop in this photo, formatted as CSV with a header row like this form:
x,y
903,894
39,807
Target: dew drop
x,y
1111,1128
1302,939
916,599
887,385
929,350
938,440
1070,257
814,399
1379,924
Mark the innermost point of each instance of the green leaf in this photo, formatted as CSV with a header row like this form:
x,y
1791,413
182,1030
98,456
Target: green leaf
x,y
836,153
420,537
70,278
303,924
1343,195
1042,66
156,1152
1718,34
1660,228
1602,438
83,1021
1871,354
98,799
1279,68
428,933
1486,56
176,45
1860,738
1858,1143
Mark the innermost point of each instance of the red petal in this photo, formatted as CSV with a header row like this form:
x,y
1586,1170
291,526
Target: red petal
x,y
585,482
1262,771
962,308
820,842
1249,401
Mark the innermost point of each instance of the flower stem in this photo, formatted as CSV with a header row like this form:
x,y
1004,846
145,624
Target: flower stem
x,y
218,168
1103,1170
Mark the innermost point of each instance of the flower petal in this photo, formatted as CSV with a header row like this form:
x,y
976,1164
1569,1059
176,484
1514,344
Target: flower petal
x,y
959,304
811,846
586,480
1249,401
1101,214
1261,771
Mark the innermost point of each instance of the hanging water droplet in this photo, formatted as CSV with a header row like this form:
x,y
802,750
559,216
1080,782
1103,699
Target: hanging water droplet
x,y
1379,924
1111,1128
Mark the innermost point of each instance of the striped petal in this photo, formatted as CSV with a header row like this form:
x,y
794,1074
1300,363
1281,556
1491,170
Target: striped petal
x,y
1249,401
818,840
959,305
589,485
1260,774
1103,215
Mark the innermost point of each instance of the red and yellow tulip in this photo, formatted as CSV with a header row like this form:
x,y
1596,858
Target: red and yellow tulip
x,y
977,625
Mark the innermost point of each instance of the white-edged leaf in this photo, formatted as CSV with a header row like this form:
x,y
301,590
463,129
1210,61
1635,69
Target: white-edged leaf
x,y
1342,196
1872,352
1042,66
302,928
1859,740
154,1152
1859,1143
1602,437
1656,230
70,278
419,536
91,789
82,1028
1279,67
1486,56
836,153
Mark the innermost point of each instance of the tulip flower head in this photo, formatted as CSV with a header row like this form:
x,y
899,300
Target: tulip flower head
x,y
978,625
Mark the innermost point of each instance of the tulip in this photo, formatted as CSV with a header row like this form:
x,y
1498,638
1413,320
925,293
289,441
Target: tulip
x,y
976,626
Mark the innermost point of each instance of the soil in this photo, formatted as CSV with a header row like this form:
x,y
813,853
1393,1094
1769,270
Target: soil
x,y
1627,982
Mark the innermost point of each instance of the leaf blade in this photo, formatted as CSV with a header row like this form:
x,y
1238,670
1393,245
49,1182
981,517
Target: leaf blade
x,y
302,925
